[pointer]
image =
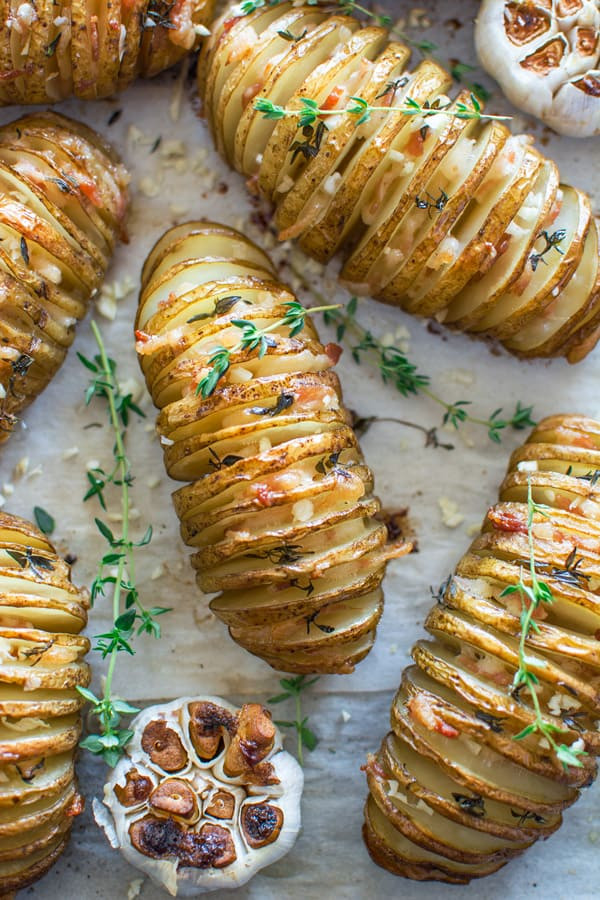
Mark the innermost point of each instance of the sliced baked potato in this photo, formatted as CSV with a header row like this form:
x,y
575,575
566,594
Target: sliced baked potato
x,y
42,653
63,200
279,505
466,780
90,49
442,214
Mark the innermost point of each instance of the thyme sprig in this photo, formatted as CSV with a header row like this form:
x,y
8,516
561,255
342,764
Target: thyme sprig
x,y
533,596
309,113
116,570
253,339
395,368
293,688
348,7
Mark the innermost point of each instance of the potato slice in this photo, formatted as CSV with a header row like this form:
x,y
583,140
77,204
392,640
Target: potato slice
x,y
546,334
315,180
542,283
510,255
331,84
491,205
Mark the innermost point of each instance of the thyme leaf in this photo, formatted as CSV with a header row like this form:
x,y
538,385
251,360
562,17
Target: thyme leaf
x,y
552,242
253,339
397,369
293,688
284,401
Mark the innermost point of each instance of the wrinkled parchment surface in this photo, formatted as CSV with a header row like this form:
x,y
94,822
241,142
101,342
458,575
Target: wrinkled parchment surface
x,y
195,653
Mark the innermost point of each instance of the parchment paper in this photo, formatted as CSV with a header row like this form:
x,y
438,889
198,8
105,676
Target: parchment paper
x,y
180,181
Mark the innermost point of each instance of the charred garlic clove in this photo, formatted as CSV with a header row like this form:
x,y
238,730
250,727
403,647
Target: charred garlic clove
x,y
232,808
163,746
546,58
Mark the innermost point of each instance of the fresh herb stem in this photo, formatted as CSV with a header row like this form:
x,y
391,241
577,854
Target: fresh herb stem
x,y
532,596
294,688
108,709
395,368
310,113
253,338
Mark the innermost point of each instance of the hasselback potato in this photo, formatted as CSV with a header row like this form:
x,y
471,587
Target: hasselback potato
x,y
205,796
447,216
41,664
470,775
51,51
63,199
278,504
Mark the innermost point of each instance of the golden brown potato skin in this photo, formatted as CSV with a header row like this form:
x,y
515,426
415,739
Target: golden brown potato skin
x,y
53,50
63,200
278,503
41,615
445,216
453,794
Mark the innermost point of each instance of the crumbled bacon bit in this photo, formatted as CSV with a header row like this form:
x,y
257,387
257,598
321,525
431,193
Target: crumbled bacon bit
x,y
420,710
332,99
507,520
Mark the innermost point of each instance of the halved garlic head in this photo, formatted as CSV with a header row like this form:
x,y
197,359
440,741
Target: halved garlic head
x,y
545,54
205,796
466,779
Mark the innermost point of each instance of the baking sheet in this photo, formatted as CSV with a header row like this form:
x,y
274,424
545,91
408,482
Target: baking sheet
x,y
45,464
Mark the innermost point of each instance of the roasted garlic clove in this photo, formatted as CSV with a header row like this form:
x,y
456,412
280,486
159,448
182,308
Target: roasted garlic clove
x,y
261,824
279,504
466,780
41,613
163,746
446,216
546,59
221,805
137,789
175,798
232,810
253,740
208,725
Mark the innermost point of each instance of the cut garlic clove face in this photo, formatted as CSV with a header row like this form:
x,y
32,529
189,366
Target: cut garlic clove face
x,y
546,58
205,796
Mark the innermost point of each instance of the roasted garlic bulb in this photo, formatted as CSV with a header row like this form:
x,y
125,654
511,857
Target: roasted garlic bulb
x,y
546,56
51,51
279,505
205,796
41,615
466,779
449,217
63,199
